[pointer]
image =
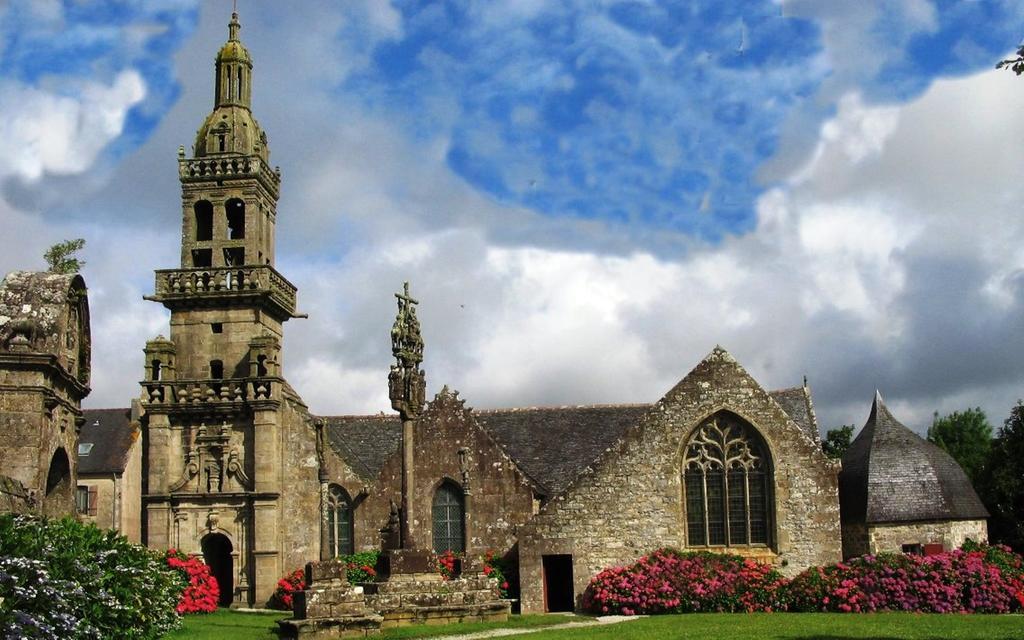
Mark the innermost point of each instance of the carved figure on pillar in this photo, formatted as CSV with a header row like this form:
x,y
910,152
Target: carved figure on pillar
x,y
406,382
407,390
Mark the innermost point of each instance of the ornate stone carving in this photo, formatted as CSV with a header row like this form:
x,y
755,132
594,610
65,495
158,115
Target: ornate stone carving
x,y
721,444
406,382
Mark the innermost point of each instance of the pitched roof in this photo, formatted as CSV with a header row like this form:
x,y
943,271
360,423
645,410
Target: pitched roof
x,y
364,442
891,474
796,402
550,445
553,445
111,435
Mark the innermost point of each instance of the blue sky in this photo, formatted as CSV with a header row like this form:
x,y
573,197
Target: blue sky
x,y
645,179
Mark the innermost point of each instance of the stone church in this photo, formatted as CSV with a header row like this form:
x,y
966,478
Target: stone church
x,y
236,468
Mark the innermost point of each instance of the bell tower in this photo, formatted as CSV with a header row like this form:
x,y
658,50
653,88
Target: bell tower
x,y
217,409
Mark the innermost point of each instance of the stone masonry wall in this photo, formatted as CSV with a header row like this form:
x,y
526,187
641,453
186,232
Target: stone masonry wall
x,y
950,533
630,501
500,498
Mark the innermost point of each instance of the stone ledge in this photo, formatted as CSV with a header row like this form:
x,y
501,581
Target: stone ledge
x,y
351,626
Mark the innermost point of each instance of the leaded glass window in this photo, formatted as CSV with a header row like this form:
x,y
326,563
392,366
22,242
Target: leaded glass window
x,y
339,521
726,480
449,518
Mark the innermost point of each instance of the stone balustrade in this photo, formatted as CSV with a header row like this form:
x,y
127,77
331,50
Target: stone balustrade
x,y
229,390
181,284
229,167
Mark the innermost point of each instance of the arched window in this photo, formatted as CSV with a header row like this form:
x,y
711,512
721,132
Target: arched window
x,y
449,518
235,210
204,220
339,522
727,480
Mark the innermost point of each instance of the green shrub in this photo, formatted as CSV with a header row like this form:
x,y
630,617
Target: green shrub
x,y
362,567
65,579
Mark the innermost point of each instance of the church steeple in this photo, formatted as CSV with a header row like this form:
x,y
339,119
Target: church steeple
x,y
231,127
234,70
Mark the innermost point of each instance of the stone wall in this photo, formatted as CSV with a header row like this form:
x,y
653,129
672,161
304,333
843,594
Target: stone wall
x,y
499,499
951,534
630,501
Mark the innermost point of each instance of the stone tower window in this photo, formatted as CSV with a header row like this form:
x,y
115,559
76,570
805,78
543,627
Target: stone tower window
x,y
235,210
449,516
339,522
157,369
726,481
202,258
239,82
204,220
216,369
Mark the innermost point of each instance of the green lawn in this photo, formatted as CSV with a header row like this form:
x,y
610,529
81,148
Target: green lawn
x,y
231,625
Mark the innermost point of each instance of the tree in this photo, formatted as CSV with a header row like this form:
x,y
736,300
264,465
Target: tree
x,y
1015,64
965,435
1002,482
837,441
61,256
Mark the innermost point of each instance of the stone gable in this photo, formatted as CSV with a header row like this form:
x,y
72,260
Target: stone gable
x,y
629,501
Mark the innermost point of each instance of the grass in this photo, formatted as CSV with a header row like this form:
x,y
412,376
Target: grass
x,y
803,626
232,625
224,624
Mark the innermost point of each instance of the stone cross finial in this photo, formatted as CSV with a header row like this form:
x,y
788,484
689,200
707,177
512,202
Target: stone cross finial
x,y
406,382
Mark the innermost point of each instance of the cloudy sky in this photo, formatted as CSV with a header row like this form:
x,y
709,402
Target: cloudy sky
x,y
586,196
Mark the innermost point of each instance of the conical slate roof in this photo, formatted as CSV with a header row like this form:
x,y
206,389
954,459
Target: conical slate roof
x,y
890,474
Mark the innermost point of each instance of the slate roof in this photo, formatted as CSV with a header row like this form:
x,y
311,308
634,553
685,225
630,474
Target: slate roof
x,y
110,433
551,445
796,402
364,442
890,474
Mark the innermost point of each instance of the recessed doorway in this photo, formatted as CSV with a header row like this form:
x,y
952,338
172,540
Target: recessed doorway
x,y
217,555
558,588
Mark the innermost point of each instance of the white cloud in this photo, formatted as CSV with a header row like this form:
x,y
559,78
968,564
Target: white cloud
x,y
47,132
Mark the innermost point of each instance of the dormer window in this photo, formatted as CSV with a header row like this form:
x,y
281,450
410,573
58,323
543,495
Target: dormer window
x,y
84,448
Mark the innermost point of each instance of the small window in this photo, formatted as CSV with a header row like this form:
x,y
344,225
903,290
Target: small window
x,y
204,220
82,499
202,257
216,369
913,549
261,366
234,257
217,327
84,449
157,370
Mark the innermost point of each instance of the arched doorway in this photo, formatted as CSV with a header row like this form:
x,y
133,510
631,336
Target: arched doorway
x,y
57,499
217,555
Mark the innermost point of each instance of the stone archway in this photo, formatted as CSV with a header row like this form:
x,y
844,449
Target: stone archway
x,y
57,499
217,554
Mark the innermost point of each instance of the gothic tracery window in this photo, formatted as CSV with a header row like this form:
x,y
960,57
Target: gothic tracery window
x,y
727,480
339,522
449,517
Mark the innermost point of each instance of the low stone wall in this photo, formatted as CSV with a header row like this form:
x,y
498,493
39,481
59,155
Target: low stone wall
x,y
422,600
950,533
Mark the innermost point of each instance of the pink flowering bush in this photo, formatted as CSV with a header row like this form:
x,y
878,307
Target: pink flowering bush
x,y
201,590
671,581
980,580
